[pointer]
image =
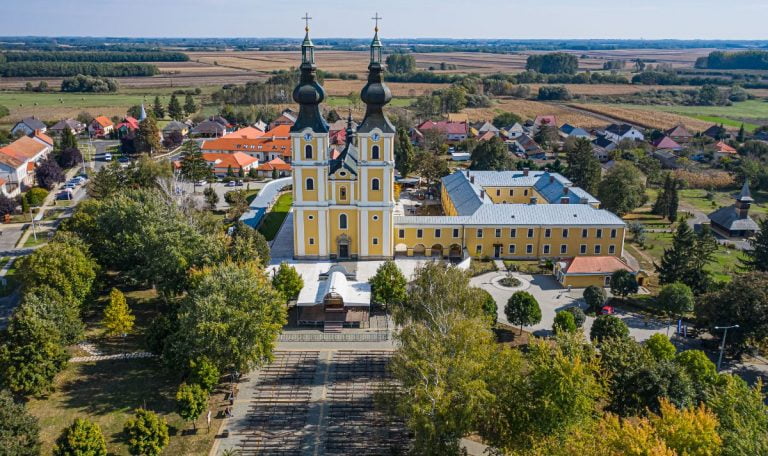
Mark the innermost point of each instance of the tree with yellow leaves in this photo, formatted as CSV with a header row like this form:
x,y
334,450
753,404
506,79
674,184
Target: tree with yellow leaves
x,y
117,315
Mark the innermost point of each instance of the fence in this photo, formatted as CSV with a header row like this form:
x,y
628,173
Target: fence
x,y
369,336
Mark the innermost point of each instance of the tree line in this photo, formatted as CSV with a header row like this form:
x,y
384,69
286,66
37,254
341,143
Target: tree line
x,y
743,60
55,69
82,83
95,56
553,63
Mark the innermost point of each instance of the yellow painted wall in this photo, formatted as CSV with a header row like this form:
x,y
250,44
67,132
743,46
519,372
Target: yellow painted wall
x,y
585,281
307,173
311,230
520,195
371,143
375,230
335,231
378,195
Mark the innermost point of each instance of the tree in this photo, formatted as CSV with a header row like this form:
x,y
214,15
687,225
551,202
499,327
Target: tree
x,y
401,63
148,136
623,283
248,244
232,315
173,139
431,167
622,190
191,400
553,63
287,281
676,298
564,322
756,258
158,109
83,437
175,110
204,373
48,304
35,196
440,374
68,139
506,120
583,166
118,319
211,197
19,430
70,157
742,416
667,200
48,173
404,153
660,347
522,309
608,326
578,315
388,285
687,259
743,302
699,368
147,433
492,155
64,264
193,165
7,205
31,356
490,308
189,105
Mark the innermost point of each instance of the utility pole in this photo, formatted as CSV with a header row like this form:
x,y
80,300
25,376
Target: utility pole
x,y
722,344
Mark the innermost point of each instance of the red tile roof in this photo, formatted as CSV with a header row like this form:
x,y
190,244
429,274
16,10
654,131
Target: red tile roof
x,y
596,265
724,148
23,149
245,133
275,164
103,121
235,160
43,137
665,142
265,144
280,131
447,128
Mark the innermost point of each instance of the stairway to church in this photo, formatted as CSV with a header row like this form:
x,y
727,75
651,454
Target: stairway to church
x,y
332,326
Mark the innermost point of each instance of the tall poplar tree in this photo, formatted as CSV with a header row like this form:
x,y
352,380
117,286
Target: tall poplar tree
x,y
189,105
158,109
175,111
583,166
117,315
404,153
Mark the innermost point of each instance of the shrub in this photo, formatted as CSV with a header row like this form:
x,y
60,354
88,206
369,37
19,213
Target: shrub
x,y
594,297
81,438
564,322
608,327
578,316
147,433
35,196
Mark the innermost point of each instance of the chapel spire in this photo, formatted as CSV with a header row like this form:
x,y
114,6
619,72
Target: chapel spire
x,y
308,93
376,94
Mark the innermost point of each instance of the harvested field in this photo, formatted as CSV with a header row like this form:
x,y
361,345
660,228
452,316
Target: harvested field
x,y
529,109
607,89
644,118
337,87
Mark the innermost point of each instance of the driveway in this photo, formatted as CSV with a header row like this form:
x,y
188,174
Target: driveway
x,y
553,298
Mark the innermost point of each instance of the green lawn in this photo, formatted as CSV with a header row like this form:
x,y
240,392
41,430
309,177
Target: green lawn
x,y
274,219
697,198
751,110
344,102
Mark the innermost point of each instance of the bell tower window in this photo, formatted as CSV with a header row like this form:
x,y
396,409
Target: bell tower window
x,y
375,153
343,193
310,184
375,184
343,221
308,152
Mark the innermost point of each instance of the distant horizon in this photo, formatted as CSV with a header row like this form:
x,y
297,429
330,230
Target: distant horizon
x,y
394,38
496,19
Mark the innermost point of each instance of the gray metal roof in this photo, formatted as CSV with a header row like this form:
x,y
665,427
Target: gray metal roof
x,y
464,195
550,185
728,217
523,215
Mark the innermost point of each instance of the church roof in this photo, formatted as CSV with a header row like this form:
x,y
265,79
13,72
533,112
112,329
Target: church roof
x,y
745,195
728,218
336,281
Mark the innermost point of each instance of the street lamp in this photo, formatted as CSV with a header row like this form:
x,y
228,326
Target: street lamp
x,y
722,344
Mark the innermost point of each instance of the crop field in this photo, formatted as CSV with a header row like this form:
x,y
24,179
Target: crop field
x,y
530,109
644,116
751,112
338,87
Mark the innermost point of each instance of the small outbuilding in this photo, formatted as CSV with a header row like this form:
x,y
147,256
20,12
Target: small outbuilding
x,y
581,272
335,300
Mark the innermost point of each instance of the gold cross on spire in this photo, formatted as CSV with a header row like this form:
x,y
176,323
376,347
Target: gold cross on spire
x,y
306,19
377,18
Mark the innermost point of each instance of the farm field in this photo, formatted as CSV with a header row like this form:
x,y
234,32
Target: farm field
x,y
644,116
754,112
530,109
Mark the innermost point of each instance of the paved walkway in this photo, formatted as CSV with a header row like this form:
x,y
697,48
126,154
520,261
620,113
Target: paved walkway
x,y
281,248
265,199
88,359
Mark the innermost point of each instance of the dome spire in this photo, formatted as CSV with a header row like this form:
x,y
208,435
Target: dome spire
x,y
375,94
376,43
308,93
307,47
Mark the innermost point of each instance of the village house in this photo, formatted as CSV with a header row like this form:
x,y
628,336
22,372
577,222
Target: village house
x,y
210,129
273,144
525,145
237,163
268,169
175,125
679,134
74,126
666,143
100,127
19,159
246,133
602,148
569,131
716,132
513,131
619,132
28,125
127,127
667,158
287,117
723,150
734,221
584,271
481,128
541,121
454,132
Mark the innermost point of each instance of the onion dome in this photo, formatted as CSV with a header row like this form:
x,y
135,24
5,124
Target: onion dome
x,y
309,93
375,94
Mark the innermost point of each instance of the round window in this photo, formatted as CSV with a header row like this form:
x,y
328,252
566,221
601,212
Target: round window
x,y
311,217
342,174
375,217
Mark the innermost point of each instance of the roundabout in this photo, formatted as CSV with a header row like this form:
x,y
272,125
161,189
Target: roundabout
x,y
499,282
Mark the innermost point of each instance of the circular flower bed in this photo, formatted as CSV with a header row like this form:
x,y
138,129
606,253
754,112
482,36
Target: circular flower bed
x,y
510,282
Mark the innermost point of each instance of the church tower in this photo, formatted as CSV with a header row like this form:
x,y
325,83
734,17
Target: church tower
x,y
309,145
376,136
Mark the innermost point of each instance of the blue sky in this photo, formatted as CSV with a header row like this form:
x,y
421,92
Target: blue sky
x,y
649,19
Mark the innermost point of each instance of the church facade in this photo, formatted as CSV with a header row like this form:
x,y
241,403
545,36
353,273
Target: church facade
x,y
344,202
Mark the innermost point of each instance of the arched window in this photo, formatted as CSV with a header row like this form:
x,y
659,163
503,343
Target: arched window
x,y
343,221
343,193
308,152
375,153
310,184
375,184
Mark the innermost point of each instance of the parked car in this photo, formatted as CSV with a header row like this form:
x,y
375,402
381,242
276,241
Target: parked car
x,y
240,183
607,310
65,194
231,184
124,159
201,182
107,157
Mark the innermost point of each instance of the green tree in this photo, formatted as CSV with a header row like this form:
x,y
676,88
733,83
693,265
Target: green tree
x,y
232,315
660,347
742,134
492,155
158,109
31,355
404,153
247,244
595,297
189,105
564,322
687,259
667,200
388,285
623,283
204,373
401,63
68,140
490,308
440,375
578,315
608,326
175,111
743,302
506,119
522,309
35,196
118,319
211,198
583,166
191,400
82,438
48,304
287,281
64,265
106,182
676,298
193,165
756,258
148,136
622,190
431,167
699,368
19,430
742,416
147,433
